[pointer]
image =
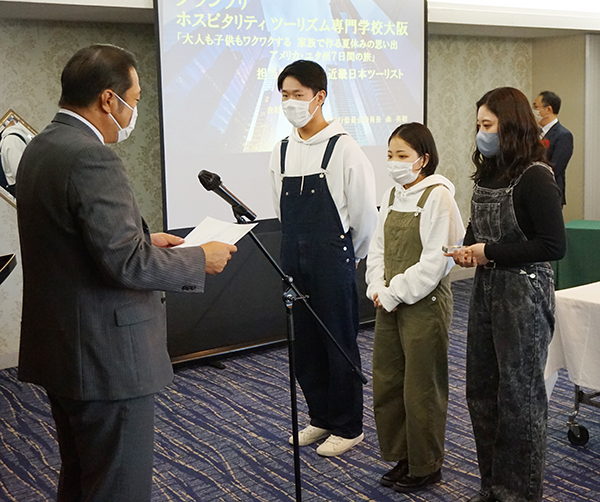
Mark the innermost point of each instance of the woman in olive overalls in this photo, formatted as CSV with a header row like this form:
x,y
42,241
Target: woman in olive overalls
x,y
516,227
407,277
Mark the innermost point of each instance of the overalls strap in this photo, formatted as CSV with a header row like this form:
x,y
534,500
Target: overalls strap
x,y
15,134
329,150
422,199
284,145
392,196
425,195
515,181
326,157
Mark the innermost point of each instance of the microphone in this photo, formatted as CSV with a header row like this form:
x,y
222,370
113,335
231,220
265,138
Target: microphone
x,y
212,183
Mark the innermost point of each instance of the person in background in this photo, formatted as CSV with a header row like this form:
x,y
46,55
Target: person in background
x,y
556,138
324,194
516,228
93,329
407,279
13,140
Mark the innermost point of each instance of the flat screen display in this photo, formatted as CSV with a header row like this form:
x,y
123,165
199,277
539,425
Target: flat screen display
x,y
221,108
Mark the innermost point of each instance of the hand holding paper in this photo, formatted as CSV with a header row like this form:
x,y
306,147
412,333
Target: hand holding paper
x,y
163,240
217,254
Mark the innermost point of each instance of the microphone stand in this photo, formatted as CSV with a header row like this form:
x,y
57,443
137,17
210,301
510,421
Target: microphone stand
x,y
291,294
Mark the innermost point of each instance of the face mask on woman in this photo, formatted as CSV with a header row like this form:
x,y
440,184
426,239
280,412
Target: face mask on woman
x,y
296,111
402,172
487,143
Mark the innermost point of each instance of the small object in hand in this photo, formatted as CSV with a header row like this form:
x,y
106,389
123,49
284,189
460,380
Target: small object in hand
x,y
450,249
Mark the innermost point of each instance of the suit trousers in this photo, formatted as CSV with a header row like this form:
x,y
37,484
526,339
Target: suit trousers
x,y
106,448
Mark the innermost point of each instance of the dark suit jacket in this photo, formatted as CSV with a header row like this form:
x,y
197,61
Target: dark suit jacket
x,y
559,141
93,328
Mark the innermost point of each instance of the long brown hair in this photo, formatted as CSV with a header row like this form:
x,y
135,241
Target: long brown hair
x,y
518,135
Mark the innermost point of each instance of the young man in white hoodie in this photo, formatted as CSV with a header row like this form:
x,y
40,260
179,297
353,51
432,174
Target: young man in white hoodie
x,y
324,194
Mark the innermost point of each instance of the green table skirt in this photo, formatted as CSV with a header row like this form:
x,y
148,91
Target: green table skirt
x,y
581,264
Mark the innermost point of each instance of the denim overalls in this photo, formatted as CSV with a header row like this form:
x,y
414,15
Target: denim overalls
x,y
410,356
511,322
319,255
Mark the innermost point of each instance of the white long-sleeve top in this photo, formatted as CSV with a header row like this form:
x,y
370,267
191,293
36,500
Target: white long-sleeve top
x,y
350,179
440,225
12,148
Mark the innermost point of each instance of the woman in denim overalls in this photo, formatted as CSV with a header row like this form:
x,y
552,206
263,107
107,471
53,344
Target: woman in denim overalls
x,y
516,227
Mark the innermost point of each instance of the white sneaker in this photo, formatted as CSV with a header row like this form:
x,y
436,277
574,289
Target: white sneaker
x,y
309,435
336,445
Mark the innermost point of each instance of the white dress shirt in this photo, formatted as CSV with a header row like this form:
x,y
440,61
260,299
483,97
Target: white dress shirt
x,y
547,127
85,121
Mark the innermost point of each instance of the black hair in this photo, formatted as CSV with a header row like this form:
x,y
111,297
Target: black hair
x,y
552,100
518,135
308,73
94,69
420,139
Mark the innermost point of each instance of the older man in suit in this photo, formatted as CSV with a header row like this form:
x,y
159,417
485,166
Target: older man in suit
x,y
93,327
557,138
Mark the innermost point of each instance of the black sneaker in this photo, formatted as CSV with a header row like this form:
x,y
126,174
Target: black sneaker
x,y
413,483
398,472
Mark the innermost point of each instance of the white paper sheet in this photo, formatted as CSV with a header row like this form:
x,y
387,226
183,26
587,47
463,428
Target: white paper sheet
x,y
212,229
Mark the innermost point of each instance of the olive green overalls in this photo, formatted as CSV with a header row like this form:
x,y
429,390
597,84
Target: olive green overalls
x,y
410,356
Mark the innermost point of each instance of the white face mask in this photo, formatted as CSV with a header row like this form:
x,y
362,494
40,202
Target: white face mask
x,y
124,132
296,111
402,172
538,117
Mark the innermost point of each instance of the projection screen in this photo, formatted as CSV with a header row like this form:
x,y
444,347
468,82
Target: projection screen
x,y
221,110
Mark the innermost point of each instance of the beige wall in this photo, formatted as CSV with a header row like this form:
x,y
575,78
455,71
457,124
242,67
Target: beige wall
x,y
11,289
462,70
559,66
32,55
591,183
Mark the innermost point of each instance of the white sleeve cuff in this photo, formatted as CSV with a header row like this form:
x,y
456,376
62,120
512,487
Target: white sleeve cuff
x,y
388,302
374,288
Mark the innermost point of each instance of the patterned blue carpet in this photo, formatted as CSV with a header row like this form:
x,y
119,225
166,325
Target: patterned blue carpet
x,y
221,435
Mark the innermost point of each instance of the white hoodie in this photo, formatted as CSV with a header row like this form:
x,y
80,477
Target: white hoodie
x,y
441,225
350,179
12,148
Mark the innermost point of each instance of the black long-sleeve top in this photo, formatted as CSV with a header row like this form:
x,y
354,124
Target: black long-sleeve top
x,y
538,208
